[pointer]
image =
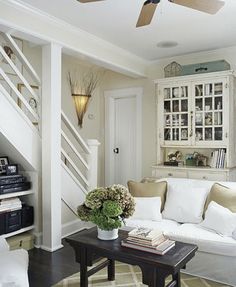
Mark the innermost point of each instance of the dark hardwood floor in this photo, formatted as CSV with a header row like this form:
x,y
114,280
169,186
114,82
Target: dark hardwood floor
x,y
46,268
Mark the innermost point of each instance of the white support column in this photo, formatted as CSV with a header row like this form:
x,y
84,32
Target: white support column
x,y
92,158
51,147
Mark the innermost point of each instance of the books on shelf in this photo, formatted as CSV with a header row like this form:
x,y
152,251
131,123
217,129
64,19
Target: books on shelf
x,y
149,240
10,204
218,158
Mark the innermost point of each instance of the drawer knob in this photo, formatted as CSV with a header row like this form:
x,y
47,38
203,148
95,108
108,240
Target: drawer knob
x,y
170,174
204,177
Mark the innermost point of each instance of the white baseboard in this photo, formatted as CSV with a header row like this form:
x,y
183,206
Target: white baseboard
x,y
51,249
73,227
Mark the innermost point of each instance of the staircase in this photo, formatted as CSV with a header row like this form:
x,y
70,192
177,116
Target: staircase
x,y
20,137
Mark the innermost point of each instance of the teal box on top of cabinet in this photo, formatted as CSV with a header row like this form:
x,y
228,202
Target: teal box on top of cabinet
x,y
207,67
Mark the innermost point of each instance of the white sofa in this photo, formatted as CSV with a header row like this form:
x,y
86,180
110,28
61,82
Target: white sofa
x,y
14,266
216,255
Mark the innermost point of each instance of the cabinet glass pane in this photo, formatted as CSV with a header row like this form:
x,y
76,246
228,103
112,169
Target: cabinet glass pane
x,y
175,134
198,90
199,134
175,92
175,106
167,120
218,118
199,119
208,104
167,106
175,120
184,92
208,134
184,120
208,89
218,103
184,134
184,105
208,119
167,93
218,88
198,104
167,133
218,134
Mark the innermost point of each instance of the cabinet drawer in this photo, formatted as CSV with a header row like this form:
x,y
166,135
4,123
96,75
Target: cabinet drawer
x,y
208,175
161,173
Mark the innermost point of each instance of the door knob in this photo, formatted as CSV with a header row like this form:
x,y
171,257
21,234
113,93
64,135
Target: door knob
x,y
116,150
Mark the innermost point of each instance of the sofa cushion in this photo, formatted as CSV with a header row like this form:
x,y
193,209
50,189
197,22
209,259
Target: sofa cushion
x,y
164,225
206,240
219,219
148,189
3,244
147,208
222,195
185,205
14,268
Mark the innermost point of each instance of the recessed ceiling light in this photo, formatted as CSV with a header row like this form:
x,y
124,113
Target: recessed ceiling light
x,y
167,44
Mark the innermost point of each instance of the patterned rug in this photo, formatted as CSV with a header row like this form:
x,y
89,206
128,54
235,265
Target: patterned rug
x,y
130,276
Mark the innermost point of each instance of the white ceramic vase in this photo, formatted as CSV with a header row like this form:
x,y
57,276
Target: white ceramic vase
x,y
107,234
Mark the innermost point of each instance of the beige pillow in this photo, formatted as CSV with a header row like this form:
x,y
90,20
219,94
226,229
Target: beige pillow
x,y
223,196
149,189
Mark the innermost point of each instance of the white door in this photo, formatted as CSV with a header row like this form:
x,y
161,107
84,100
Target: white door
x,y
123,136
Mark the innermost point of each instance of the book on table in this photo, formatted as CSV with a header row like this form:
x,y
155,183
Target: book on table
x,y
160,249
149,240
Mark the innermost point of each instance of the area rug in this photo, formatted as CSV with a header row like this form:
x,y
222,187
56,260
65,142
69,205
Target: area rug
x,y
130,276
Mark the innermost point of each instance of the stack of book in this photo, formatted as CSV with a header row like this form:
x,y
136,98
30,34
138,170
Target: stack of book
x,y
10,204
150,240
218,158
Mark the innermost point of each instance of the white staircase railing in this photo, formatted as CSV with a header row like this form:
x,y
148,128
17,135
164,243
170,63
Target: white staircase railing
x,y
79,158
20,98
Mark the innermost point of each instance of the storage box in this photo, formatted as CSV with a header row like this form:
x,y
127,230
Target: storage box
x,y
23,240
207,67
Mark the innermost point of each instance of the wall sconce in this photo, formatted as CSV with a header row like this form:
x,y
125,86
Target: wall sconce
x,y
81,104
82,85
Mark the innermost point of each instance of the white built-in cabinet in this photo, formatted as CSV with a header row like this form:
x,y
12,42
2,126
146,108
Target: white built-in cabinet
x,y
196,113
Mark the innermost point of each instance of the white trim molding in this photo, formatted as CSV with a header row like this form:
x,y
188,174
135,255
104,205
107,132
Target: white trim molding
x,y
110,97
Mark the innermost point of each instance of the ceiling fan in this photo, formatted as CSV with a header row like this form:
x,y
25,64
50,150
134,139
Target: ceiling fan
x,y
149,8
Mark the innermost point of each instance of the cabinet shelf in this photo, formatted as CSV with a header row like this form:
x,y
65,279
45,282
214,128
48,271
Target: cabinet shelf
x,y
18,231
15,194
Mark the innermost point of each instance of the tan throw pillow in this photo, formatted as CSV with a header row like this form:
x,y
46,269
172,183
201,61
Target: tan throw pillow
x,y
149,189
222,195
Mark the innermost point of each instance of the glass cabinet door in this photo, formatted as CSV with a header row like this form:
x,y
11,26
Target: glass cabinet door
x,y
176,114
208,114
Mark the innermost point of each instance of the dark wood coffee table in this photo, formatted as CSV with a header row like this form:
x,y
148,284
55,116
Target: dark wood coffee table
x,y
155,268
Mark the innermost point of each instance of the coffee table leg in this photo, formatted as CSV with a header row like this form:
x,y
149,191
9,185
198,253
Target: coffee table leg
x,y
111,270
177,278
83,268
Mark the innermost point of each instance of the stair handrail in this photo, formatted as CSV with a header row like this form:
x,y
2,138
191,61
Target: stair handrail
x,y
65,137
19,95
75,133
17,51
19,74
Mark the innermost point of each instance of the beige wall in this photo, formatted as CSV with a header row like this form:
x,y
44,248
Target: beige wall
x,y
95,128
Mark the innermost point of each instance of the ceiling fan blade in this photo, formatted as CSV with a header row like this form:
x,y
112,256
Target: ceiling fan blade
x,y
146,13
207,6
87,1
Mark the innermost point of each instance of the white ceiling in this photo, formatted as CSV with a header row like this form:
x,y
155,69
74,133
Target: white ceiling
x,y
115,20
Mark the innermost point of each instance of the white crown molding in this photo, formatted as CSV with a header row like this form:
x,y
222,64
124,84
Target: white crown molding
x,y
51,29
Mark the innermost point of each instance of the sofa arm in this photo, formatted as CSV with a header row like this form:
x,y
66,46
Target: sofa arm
x,y
3,244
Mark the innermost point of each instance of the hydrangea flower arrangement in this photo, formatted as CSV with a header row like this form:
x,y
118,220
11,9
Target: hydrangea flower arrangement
x,y
107,207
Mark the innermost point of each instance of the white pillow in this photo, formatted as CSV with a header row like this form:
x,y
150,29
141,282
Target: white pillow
x,y
219,219
3,244
234,234
147,208
185,205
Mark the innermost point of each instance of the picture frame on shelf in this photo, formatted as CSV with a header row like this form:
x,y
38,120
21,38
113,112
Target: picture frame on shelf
x,y
3,163
3,63
11,169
